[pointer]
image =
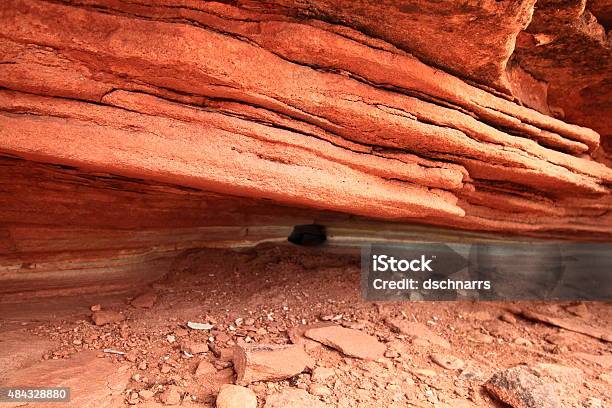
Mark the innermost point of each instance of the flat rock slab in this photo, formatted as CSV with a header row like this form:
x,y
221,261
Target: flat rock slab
x,y
93,382
269,362
520,388
419,332
447,361
294,398
296,335
17,353
350,342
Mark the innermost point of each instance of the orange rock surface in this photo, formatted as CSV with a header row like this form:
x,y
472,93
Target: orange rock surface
x,y
141,123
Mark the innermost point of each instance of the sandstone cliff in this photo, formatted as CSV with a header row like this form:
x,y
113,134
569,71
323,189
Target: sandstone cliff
x,y
133,130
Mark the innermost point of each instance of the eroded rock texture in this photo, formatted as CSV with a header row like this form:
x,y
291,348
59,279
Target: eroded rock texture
x,y
167,116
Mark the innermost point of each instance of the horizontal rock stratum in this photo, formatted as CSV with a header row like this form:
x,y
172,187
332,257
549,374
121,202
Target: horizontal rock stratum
x,y
132,126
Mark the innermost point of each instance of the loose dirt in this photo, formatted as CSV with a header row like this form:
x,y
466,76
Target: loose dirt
x,y
436,354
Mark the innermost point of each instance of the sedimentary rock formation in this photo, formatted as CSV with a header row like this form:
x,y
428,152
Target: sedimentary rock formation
x,y
134,126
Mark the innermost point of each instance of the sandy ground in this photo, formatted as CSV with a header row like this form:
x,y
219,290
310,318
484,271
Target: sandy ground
x,y
260,297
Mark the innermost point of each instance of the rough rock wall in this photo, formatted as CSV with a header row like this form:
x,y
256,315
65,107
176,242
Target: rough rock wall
x,y
406,112
568,49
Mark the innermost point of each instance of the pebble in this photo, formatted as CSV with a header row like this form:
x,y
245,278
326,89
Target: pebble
x,y
606,377
204,369
319,390
321,374
521,341
447,361
593,403
171,396
482,338
131,356
102,317
235,396
146,395
144,301
425,372
193,347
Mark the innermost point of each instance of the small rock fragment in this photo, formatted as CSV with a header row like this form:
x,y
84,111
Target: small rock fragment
x,y
606,377
171,396
481,338
321,374
418,331
199,326
447,361
131,356
193,347
521,341
146,395
293,398
263,362
235,396
205,368
133,398
145,300
508,318
102,317
424,372
520,388
593,403
319,390
352,343
95,308
578,309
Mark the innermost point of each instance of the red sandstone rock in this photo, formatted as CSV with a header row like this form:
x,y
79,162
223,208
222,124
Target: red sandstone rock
x,y
102,317
225,117
293,398
262,362
104,387
350,342
145,300
419,332
171,395
520,388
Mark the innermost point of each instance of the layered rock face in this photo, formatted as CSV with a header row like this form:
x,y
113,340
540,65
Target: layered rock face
x,y
132,126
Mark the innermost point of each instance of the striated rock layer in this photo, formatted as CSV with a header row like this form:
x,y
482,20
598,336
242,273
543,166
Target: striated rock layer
x,y
169,116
